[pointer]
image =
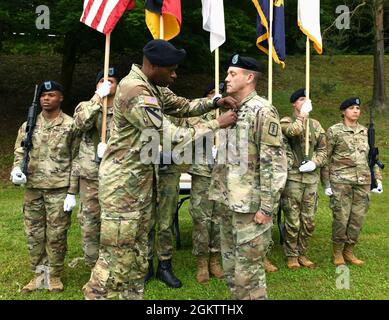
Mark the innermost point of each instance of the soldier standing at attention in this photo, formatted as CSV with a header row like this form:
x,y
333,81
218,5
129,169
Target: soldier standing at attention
x,y
162,243
300,197
249,185
48,199
88,119
127,181
347,180
205,213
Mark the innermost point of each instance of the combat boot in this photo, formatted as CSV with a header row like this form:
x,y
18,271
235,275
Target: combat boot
x,y
348,255
34,284
269,267
293,263
202,269
166,275
150,271
214,266
305,262
55,284
337,256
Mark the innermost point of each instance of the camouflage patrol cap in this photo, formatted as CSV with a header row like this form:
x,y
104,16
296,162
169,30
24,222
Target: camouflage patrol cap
x,y
162,53
50,85
112,72
297,94
350,102
247,63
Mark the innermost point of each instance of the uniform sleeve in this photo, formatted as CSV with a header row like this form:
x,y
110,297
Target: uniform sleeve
x,y
183,108
18,150
292,128
273,162
325,171
319,156
86,114
74,148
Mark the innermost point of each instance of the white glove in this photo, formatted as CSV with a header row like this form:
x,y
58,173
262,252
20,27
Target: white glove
x,y
101,147
214,152
69,203
328,192
307,167
379,188
306,107
17,176
103,89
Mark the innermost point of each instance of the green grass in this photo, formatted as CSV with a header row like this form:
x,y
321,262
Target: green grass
x,y
333,80
368,282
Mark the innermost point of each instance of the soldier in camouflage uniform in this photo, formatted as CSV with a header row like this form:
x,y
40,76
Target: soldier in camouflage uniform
x,y
205,213
347,180
48,198
249,185
87,118
300,197
162,224
127,178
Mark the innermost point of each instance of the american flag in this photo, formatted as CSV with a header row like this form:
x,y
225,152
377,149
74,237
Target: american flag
x,y
103,15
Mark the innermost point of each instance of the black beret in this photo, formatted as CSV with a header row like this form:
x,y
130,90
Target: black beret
x,y
212,87
49,85
248,63
162,53
297,94
350,102
112,72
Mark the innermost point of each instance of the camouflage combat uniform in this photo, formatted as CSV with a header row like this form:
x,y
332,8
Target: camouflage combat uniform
x,y
168,194
299,199
205,216
87,118
348,174
245,191
55,144
127,189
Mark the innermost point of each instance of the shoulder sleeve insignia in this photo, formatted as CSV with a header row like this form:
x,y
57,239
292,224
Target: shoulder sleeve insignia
x,y
155,116
273,129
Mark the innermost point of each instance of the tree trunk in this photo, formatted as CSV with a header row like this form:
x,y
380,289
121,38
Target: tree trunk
x,y
379,94
67,69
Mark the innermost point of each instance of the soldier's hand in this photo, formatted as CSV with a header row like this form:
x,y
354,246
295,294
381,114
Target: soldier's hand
x,y
69,203
306,107
227,119
262,218
228,103
103,89
101,147
328,192
17,176
309,166
379,188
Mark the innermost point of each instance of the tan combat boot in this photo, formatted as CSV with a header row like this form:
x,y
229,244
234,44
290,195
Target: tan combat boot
x,y
293,263
305,262
349,256
55,284
202,270
214,266
269,267
337,256
34,284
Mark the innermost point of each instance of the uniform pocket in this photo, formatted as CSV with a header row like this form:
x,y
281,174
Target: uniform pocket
x,y
250,232
119,232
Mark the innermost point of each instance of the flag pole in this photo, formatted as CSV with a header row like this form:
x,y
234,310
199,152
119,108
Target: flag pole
x,y
270,55
307,94
105,100
161,28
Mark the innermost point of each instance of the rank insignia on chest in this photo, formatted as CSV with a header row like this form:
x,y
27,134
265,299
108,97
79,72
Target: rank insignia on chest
x,y
273,129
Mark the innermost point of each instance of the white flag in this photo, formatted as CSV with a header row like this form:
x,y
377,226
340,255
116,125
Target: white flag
x,y
308,16
213,22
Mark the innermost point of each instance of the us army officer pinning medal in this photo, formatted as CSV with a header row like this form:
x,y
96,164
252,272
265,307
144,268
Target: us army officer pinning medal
x,y
249,197
126,183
